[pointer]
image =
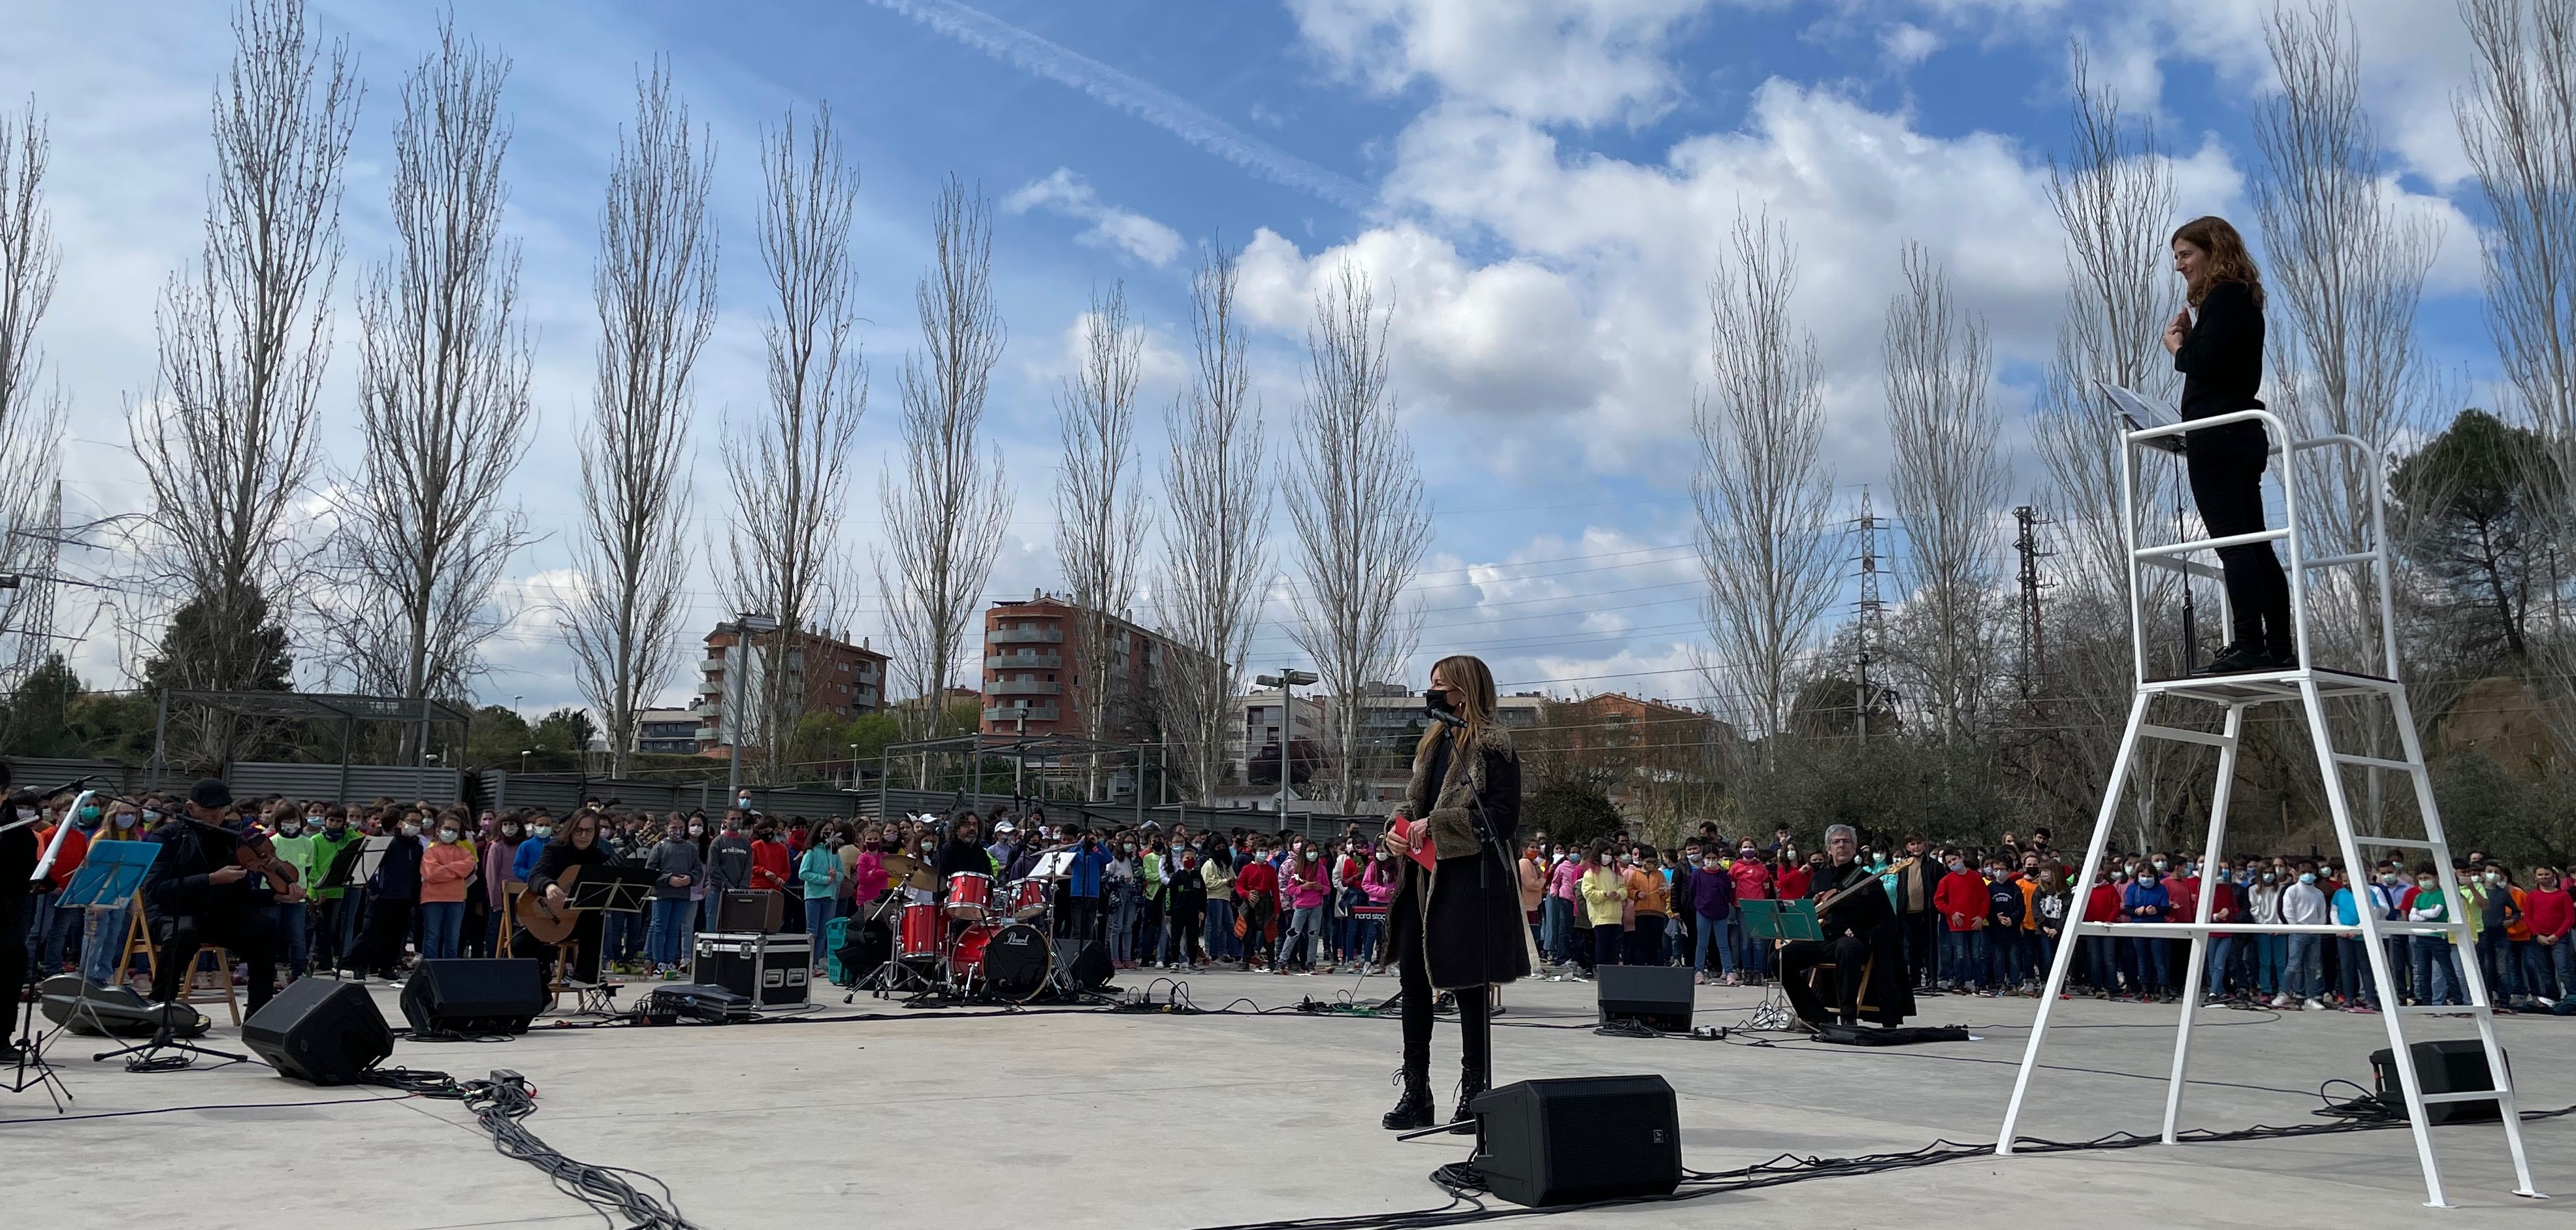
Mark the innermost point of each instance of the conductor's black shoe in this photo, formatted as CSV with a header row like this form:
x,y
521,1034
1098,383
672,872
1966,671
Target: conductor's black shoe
x,y
1413,1109
1463,1119
2239,659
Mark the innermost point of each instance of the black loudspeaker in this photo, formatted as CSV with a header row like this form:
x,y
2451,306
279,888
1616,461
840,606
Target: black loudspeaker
x,y
1580,1138
469,996
320,1030
751,910
2452,1065
1658,996
1087,963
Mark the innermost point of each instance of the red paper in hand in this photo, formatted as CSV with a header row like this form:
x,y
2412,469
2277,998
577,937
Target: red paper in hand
x,y
1422,853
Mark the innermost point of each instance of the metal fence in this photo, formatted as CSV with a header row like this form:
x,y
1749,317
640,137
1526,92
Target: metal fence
x,y
252,779
562,792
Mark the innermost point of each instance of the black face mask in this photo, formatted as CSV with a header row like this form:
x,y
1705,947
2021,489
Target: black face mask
x,y
1435,704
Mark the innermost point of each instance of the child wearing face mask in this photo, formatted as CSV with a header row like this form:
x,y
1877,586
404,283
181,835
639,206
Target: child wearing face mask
x,y
1605,904
2437,960
445,865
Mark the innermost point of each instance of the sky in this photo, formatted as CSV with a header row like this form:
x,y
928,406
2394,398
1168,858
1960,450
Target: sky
x,y
1543,189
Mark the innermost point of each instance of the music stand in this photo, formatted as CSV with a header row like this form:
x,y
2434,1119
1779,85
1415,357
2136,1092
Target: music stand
x,y
2138,414
614,889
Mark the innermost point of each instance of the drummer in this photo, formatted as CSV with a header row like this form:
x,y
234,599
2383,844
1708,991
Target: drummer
x,y
964,849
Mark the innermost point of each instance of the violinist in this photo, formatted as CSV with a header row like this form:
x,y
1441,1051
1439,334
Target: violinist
x,y
211,885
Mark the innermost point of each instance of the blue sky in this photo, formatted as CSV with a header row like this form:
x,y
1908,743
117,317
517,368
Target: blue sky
x,y
1542,186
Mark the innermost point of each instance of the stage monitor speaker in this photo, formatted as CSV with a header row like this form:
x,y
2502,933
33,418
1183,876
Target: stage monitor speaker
x,y
1657,996
1574,1139
750,910
321,1031
2451,1065
470,996
1086,963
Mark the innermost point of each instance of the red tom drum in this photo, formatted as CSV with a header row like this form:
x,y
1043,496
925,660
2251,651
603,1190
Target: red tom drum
x,y
970,895
918,939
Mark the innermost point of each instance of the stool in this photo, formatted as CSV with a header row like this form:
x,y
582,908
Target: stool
x,y
1860,1001
223,976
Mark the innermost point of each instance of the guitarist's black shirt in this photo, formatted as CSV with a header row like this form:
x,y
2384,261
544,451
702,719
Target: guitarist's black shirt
x,y
560,855
1859,913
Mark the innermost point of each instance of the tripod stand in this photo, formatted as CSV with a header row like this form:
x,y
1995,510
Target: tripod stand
x,y
31,1069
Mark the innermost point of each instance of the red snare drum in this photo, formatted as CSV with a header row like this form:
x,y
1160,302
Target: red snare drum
x,y
920,932
1029,897
970,895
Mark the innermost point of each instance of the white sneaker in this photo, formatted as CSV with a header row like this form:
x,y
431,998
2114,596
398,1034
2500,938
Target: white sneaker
x,y
2316,1005
2281,1000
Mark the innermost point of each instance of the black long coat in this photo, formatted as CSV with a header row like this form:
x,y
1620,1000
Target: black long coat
x,y
1868,914
1472,933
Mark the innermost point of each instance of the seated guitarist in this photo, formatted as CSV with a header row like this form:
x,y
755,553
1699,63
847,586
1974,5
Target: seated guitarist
x,y
574,846
1860,925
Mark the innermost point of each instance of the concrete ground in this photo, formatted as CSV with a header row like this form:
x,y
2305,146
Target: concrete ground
x,y
1071,1120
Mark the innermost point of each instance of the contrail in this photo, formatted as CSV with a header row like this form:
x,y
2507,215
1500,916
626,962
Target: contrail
x,y
1149,103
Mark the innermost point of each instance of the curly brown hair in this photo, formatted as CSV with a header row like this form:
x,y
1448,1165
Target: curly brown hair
x,y
2228,260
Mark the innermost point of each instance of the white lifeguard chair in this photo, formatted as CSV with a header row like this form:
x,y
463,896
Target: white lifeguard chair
x,y
2308,686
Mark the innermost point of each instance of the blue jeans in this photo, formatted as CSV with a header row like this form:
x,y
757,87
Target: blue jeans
x,y
1714,933
2271,954
2222,953
1556,925
2436,979
2149,970
2003,957
54,937
1364,934
2101,962
1963,956
98,960
2503,974
818,915
2048,958
439,922
2554,968
2304,979
713,897
2353,972
1220,941
670,935
292,942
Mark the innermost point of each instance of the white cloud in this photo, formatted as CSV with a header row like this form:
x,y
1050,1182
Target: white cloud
x,y
1584,61
1066,194
1907,44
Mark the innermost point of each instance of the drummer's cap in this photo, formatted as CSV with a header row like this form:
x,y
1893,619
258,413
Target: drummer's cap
x,y
1005,827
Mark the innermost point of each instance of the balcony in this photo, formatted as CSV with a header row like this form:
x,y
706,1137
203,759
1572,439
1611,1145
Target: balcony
x,y
711,664
1024,661
1024,636
1023,687
1034,713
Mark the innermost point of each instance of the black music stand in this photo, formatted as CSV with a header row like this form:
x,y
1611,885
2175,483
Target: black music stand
x,y
614,889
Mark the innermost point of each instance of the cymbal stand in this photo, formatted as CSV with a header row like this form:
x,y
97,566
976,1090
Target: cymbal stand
x,y
31,1068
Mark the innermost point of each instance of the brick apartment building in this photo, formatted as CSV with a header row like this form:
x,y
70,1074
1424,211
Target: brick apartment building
x,y
1032,670
837,677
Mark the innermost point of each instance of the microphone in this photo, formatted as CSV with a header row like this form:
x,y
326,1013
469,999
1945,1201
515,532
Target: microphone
x,y
1444,715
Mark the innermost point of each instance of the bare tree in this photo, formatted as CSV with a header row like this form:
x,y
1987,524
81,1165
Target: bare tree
x,y
788,468
425,533
1099,512
1762,492
945,513
2114,197
31,417
227,440
1217,500
1362,521
654,286
2348,271
1949,480
2518,123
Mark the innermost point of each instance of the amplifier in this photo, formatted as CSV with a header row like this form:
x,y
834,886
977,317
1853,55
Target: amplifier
x,y
2449,1065
755,910
768,970
1657,996
1570,1140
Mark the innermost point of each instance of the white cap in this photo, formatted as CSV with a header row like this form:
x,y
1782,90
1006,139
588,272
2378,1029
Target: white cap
x,y
1004,827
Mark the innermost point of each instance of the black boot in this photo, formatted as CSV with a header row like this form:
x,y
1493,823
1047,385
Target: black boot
x,y
1413,1110
1471,1082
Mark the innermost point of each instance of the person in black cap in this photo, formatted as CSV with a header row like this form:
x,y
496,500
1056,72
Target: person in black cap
x,y
211,885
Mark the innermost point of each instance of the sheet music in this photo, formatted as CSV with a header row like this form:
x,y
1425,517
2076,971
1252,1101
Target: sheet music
x,y
2139,414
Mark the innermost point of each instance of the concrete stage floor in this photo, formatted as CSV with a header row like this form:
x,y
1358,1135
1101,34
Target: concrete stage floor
x,y
1119,1121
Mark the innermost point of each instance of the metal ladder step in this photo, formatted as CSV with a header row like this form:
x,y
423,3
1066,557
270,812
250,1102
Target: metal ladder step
x,y
2412,843
2375,762
2473,1095
2466,1010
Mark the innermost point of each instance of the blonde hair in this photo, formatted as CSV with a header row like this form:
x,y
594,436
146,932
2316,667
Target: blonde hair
x,y
1471,693
2228,260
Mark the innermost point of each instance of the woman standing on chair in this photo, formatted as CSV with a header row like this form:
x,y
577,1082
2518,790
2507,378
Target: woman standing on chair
x,y
1456,927
2220,354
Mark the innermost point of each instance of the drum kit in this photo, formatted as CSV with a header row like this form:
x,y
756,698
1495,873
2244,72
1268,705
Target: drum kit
x,y
976,941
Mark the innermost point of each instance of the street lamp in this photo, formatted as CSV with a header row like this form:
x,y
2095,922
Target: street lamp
x,y
743,626
854,766
523,759
1283,681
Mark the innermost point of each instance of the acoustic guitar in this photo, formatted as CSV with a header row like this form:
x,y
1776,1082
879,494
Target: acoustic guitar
x,y
542,920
